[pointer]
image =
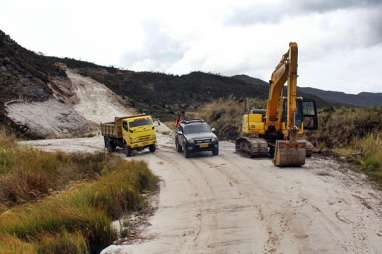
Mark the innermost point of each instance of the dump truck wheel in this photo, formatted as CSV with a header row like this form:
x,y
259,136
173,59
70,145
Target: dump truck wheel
x,y
111,147
129,152
152,148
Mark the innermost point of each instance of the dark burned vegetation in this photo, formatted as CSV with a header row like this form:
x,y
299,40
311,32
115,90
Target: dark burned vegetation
x,y
65,203
23,73
165,95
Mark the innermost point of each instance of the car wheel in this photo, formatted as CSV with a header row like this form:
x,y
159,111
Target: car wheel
x,y
178,148
152,148
215,152
187,154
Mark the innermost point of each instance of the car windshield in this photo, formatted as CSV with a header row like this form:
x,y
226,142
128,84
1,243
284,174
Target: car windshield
x,y
140,122
196,128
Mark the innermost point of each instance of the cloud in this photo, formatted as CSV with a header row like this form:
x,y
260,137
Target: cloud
x,y
339,41
322,6
157,51
274,11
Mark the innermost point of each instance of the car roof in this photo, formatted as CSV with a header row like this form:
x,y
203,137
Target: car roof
x,y
194,121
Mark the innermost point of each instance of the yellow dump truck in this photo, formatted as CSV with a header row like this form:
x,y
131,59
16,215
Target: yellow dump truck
x,y
130,133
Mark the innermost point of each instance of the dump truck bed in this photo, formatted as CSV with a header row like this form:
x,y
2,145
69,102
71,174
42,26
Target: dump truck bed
x,y
110,130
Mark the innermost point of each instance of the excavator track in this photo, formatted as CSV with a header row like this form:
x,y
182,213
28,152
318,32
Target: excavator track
x,y
254,147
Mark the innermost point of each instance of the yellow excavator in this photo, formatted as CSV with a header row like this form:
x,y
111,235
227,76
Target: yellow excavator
x,y
277,131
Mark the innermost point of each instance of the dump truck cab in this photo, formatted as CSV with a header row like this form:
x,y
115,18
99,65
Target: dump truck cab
x,y
130,133
138,131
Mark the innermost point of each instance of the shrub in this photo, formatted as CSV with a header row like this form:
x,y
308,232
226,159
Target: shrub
x,y
338,128
86,209
75,220
11,245
63,243
27,174
371,150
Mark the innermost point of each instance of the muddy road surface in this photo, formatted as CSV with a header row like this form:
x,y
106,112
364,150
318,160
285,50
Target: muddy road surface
x,y
234,204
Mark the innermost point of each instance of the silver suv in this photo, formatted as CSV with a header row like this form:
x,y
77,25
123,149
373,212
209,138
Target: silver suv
x,y
194,136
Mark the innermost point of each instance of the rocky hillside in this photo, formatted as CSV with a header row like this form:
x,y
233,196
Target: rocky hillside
x,y
163,95
27,77
30,81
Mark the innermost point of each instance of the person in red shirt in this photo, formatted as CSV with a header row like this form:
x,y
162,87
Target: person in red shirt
x,y
179,118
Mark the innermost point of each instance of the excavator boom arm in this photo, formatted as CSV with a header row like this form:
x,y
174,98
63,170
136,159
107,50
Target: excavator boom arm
x,y
285,71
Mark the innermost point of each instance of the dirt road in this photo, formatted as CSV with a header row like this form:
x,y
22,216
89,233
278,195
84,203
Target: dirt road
x,y
232,204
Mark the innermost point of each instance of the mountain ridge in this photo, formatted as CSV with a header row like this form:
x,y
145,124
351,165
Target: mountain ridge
x,y
32,77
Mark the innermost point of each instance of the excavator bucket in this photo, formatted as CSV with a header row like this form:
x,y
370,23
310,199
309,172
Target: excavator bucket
x,y
289,153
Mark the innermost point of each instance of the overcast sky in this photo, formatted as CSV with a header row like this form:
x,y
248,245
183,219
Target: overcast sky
x,y
340,42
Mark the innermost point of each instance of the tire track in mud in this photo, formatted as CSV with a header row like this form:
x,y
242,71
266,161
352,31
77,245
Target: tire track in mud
x,y
272,241
196,232
278,221
358,228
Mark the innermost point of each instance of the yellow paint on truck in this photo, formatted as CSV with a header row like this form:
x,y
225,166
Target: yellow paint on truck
x,y
132,133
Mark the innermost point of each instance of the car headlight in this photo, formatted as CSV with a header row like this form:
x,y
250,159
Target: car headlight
x,y
190,141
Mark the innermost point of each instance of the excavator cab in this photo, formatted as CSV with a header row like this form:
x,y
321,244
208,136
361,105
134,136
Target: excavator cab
x,y
310,118
306,114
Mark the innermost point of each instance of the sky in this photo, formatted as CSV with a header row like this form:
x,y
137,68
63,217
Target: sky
x,y
340,42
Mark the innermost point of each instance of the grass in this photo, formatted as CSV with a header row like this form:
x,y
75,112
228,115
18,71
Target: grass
x,y
367,152
77,219
28,174
356,134
340,127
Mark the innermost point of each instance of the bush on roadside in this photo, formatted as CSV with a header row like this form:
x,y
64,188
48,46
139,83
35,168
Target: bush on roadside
x,y
369,154
340,127
65,203
27,174
81,216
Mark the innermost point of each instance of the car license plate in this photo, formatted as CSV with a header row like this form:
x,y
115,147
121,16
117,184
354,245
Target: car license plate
x,y
203,145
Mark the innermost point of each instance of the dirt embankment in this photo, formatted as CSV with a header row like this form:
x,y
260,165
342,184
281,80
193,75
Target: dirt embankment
x,y
91,103
41,98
